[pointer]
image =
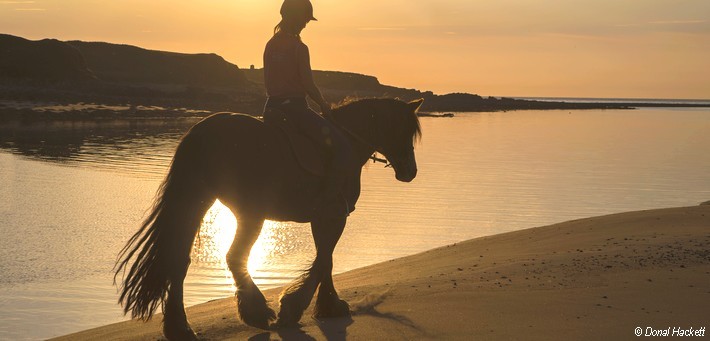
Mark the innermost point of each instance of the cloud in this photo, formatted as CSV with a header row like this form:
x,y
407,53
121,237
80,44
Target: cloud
x,y
381,28
677,22
627,25
25,9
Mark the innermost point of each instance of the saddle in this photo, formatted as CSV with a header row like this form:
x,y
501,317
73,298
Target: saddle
x,y
307,152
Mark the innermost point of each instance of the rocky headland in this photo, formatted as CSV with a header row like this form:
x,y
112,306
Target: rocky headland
x,y
52,79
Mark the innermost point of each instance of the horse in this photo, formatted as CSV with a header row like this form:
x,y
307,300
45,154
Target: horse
x,y
249,166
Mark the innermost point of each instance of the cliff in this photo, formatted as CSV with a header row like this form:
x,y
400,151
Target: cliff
x,y
138,66
97,72
43,60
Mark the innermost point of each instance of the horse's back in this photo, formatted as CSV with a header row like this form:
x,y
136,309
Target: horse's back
x,y
226,122
234,134
237,153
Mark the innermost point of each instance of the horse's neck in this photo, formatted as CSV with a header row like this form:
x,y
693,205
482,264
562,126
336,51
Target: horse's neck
x,y
357,130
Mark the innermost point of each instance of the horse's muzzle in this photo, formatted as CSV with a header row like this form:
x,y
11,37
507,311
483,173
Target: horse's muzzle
x,y
406,177
405,169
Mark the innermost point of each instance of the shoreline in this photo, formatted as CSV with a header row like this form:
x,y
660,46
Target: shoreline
x,y
24,118
585,279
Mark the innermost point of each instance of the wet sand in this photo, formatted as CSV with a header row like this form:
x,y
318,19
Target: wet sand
x,y
591,278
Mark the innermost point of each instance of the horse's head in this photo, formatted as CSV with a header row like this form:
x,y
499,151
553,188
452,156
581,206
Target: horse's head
x,y
397,128
387,126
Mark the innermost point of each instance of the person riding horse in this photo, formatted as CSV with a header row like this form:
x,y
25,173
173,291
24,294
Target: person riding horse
x,y
249,166
288,79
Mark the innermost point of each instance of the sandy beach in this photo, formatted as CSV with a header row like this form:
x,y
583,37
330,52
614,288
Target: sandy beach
x,y
594,278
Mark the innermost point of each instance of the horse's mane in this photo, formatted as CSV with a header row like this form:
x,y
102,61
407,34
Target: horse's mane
x,y
392,106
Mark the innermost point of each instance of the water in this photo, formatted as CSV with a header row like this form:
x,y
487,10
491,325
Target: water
x,y
71,196
654,101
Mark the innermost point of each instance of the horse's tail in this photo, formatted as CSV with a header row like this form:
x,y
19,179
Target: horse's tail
x,y
160,250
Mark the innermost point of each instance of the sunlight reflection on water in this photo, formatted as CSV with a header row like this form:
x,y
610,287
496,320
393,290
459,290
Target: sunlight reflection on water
x,y
215,238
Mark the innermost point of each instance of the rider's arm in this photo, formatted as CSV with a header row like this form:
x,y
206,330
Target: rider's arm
x,y
304,69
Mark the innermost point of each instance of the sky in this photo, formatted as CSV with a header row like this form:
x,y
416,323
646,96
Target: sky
x,y
526,48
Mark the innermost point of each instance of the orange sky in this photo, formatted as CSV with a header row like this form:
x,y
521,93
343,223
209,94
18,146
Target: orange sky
x,y
573,48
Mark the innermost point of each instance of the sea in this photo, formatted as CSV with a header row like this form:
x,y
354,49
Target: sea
x,y
71,194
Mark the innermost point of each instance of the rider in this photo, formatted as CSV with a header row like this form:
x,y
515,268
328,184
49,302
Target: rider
x,y
288,80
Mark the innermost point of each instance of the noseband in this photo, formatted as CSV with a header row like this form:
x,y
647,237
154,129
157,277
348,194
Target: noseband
x,y
376,159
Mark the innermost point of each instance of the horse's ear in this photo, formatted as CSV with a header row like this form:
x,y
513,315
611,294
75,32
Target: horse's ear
x,y
415,104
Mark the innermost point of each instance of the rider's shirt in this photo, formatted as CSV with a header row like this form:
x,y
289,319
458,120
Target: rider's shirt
x,y
283,56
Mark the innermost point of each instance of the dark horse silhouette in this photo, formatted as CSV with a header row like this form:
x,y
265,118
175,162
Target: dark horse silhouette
x,y
248,166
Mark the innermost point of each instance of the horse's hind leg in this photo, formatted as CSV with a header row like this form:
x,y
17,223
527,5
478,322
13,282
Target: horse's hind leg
x,y
251,304
295,299
175,324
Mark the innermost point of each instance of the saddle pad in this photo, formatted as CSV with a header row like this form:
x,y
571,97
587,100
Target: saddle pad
x,y
309,157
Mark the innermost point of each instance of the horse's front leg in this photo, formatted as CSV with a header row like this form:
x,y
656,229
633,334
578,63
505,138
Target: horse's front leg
x,y
295,299
328,304
251,303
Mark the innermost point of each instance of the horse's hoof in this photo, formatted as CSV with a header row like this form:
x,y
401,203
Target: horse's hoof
x,y
254,311
333,308
257,316
282,323
290,312
179,334
176,327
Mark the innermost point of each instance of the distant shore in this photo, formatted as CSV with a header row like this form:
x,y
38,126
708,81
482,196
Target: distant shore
x,y
593,278
13,112
71,73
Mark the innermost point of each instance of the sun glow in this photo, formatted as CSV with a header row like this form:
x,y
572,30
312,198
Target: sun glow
x,y
217,234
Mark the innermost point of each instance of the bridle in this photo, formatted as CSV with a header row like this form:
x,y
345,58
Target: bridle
x,y
376,159
363,141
